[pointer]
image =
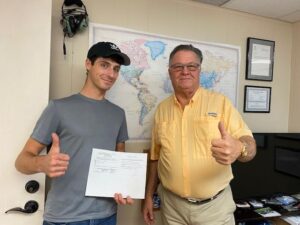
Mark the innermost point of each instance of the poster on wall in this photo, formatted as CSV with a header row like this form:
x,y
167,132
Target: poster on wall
x,y
145,82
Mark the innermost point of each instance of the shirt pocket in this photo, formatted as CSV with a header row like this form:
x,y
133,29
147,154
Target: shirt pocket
x,y
206,128
166,135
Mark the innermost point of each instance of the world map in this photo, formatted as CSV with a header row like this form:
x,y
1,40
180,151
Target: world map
x,y
143,84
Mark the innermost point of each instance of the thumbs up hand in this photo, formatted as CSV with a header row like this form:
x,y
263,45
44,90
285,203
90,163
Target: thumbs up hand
x,y
55,163
225,149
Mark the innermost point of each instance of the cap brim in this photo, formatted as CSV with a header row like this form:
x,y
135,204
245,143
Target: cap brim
x,y
124,58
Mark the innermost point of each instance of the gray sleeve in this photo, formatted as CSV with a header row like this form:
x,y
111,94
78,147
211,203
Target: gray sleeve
x,y
46,125
123,133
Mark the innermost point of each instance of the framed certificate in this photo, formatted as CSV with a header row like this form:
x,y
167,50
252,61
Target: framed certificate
x,y
260,59
257,99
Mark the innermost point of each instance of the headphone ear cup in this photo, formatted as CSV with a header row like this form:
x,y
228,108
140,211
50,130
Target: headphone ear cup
x,y
80,22
73,20
72,24
84,23
68,26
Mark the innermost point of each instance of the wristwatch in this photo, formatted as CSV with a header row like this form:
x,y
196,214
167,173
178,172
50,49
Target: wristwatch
x,y
244,151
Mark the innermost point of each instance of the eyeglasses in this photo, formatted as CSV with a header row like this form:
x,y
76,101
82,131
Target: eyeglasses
x,y
180,67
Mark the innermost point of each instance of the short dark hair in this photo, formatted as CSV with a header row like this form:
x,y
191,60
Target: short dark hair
x,y
113,57
186,48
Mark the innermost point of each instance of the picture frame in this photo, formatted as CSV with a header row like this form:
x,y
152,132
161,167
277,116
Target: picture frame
x,y
260,59
257,99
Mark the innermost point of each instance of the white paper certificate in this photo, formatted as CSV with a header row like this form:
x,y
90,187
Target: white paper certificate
x,y
117,172
261,60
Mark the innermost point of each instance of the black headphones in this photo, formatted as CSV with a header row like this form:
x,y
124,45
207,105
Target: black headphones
x,y
74,17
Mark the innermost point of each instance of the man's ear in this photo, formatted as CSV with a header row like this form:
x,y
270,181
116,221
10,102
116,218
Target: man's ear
x,y
88,64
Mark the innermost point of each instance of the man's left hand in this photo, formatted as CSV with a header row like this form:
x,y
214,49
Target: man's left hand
x,y
225,149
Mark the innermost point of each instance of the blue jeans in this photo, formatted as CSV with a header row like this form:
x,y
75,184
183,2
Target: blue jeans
x,y
112,220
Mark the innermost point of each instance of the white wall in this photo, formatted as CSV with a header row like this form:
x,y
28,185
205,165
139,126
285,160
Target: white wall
x,y
294,119
24,89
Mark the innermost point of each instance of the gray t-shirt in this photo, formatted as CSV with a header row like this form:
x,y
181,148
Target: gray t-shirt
x,y
81,124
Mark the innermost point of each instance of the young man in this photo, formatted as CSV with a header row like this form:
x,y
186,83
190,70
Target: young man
x,y
197,135
73,126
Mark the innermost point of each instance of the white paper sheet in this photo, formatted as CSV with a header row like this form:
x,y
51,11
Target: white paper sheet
x,y
261,60
117,172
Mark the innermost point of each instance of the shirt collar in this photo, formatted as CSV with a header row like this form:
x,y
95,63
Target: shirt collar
x,y
195,96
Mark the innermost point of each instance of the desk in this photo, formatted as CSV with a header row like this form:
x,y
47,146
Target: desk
x,y
270,221
278,221
247,213
252,218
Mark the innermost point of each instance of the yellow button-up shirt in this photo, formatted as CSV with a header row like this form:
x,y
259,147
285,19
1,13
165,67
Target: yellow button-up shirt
x,y
181,142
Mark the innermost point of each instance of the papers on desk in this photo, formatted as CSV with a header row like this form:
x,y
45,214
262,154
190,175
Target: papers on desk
x,y
117,172
242,204
286,200
267,212
294,220
297,196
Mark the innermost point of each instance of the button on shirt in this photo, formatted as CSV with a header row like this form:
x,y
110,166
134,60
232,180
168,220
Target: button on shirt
x,y
181,142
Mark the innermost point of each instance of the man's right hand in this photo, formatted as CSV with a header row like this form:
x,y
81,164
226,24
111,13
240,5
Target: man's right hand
x,y
148,211
55,163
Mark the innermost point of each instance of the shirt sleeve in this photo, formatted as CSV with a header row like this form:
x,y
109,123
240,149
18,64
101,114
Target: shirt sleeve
x,y
123,132
46,125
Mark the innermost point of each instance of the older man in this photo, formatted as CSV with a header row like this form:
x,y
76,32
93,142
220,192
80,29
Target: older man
x,y
197,135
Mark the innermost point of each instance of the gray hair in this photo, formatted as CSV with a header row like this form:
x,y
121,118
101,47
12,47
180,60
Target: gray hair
x,y
186,48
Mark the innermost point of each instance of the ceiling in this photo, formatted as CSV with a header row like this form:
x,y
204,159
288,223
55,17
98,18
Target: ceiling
x,y
284,10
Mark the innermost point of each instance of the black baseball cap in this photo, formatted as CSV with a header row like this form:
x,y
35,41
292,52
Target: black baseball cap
x,y
106,50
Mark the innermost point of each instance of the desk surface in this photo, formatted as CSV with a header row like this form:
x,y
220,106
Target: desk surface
x,y
247,212
248,215
278,221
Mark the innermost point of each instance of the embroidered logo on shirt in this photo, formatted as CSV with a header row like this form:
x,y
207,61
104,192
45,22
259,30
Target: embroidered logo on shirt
x,y
214,114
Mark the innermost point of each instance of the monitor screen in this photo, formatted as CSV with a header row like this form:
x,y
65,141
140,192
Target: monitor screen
x,y
287,161
274,169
